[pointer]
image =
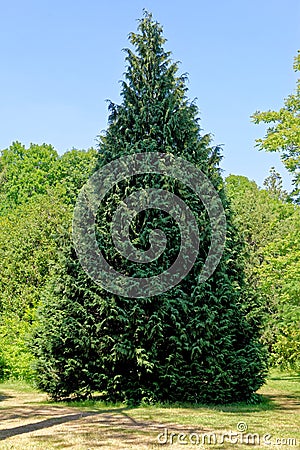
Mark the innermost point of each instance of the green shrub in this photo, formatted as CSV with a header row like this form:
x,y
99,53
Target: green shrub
x,y
16,356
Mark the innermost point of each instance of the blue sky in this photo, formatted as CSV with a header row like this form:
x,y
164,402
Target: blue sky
x,y
60,61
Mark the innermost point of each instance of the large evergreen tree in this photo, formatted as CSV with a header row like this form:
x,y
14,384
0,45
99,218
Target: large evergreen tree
x,y
191,343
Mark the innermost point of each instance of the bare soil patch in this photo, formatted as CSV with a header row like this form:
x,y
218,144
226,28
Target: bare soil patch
x,y
25,423
29,422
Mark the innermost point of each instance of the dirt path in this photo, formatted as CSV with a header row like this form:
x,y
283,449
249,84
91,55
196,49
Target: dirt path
x,y
28,422
25,423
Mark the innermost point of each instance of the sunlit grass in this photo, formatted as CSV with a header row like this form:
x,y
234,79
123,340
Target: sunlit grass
x,y
114,426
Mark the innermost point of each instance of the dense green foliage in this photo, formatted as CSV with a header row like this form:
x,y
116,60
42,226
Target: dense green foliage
x,y
271,229
191,343
37,187
38,169
284,135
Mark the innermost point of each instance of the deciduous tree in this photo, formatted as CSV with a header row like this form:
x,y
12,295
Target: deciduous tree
x,y
284,134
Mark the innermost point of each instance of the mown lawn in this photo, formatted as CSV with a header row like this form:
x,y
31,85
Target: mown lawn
x,y
29,421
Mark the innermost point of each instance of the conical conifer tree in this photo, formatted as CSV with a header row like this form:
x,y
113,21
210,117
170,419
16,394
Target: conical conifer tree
x,y
190,343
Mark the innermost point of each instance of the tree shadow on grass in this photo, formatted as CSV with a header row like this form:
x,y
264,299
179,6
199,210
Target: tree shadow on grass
x,y
267,402
285,376
4,396
293,379
53,421
262,402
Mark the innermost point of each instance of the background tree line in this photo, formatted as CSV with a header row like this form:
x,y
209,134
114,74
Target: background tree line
x,y
38,189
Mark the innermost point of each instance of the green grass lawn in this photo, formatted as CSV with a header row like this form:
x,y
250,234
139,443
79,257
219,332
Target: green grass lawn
x,y
35,423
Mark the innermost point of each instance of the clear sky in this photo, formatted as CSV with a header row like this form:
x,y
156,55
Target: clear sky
x,y
61,59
